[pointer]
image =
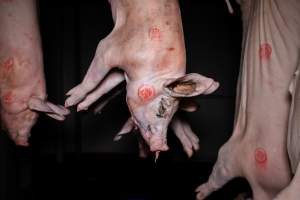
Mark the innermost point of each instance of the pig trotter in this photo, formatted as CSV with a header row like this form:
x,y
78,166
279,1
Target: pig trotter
x,y
55,111
223,171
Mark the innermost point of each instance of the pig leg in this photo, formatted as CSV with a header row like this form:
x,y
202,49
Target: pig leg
x,y
184,133
95,74
106,85
55,111
22,83
224,170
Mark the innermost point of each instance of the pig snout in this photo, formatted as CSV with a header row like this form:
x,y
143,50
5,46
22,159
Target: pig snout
x,y
157,144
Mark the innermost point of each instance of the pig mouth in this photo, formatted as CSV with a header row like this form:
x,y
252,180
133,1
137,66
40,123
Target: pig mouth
x,y
155,141
157,144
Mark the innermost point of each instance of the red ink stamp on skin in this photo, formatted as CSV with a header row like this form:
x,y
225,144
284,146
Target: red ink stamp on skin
x,y
146,92
8,64
154,34
265,51
8,98
260,156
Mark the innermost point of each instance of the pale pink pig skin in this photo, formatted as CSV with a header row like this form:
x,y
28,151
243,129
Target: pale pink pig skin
x,y
22,82
257,149
147,45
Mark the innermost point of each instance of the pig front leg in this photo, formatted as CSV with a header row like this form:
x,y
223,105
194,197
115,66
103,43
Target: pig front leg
x,y
22,83
183,131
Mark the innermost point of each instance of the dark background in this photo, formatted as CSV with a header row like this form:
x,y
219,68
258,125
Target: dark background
x,y
78,158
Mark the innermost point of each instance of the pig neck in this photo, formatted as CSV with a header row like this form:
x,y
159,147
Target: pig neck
x,y
156,25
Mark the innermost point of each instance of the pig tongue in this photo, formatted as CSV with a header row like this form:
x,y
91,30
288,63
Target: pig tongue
x,y
156,156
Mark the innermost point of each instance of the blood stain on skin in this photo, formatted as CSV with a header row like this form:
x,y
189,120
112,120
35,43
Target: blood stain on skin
x,y
146,92
265,51
154,34
260,156
171,49
8,98
8,64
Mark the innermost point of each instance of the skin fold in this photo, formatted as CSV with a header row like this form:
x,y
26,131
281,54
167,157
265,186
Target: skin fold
x,y
147,46
22,82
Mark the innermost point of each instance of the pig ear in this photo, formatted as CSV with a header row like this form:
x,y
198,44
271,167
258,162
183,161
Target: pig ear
x,y
190,85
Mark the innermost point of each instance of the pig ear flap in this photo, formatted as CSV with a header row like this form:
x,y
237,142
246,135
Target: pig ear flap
x,y
190,85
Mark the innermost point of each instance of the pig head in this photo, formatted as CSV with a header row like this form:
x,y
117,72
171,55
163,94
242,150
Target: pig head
x,y
152,103
147,46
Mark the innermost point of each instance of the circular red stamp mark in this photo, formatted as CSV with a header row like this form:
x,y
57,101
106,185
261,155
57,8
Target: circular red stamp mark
x,y
265,51
154,33
260,156
146,92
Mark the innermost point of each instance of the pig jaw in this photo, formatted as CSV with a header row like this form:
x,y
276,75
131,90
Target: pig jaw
x,y
152,123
